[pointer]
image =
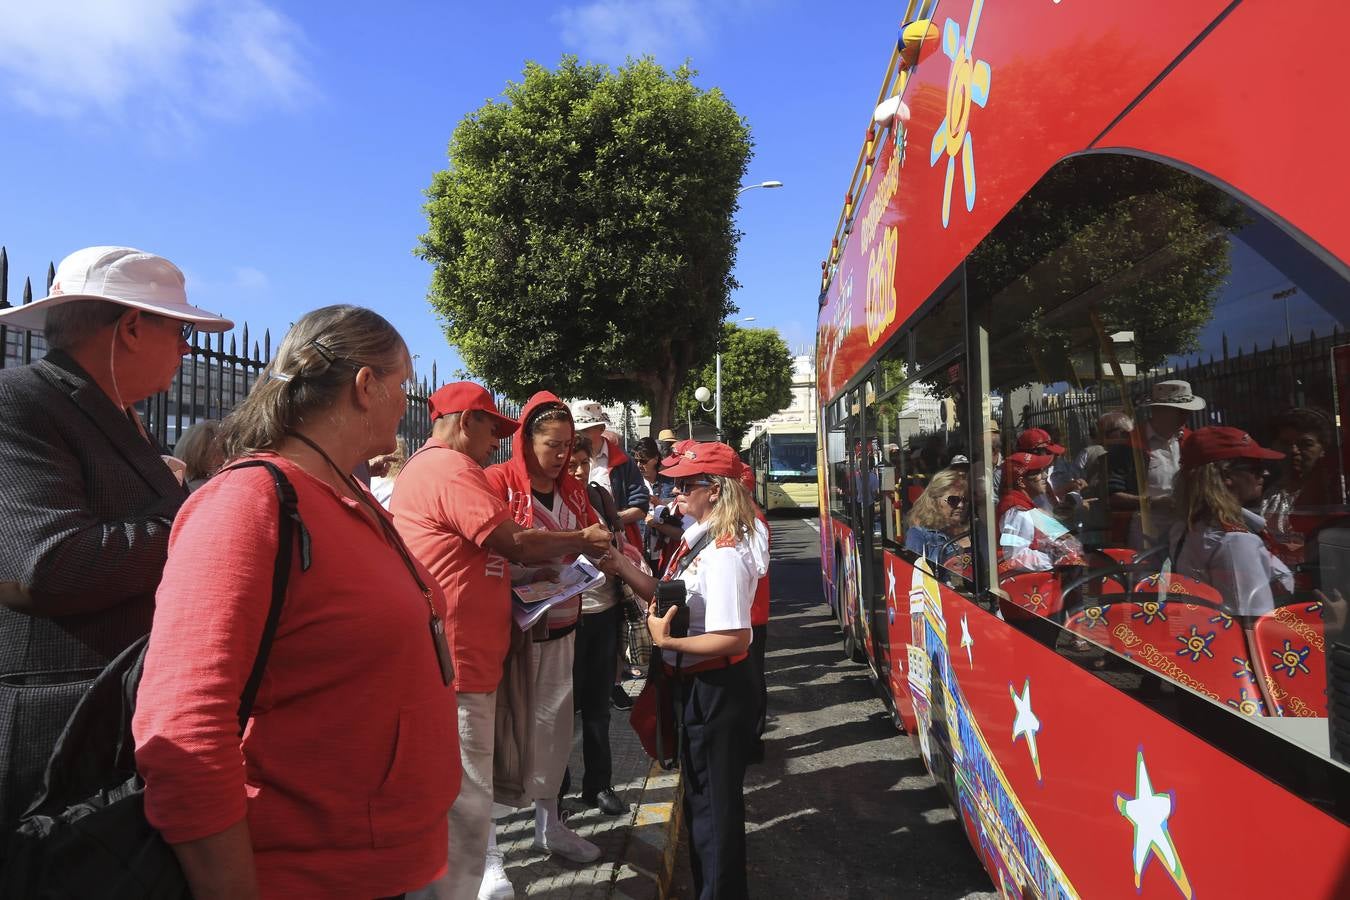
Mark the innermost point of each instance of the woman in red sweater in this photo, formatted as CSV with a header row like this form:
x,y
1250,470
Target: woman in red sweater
x,y
342,780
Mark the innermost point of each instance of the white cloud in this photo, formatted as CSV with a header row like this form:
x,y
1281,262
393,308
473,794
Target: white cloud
x,y
160,67
612,30
248,278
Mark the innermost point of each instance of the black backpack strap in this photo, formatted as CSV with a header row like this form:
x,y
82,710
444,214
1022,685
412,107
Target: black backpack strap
x,y
281,573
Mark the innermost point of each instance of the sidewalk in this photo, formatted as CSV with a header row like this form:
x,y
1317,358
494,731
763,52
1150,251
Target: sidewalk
x,y
636,850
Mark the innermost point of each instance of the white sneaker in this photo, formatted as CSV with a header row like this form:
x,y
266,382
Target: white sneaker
x,y
564,842
495,884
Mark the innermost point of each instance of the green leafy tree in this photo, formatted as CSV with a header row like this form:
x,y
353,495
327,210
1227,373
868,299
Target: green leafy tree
x,y
582,235
756,380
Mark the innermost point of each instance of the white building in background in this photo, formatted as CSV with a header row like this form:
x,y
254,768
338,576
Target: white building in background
x,y
802,410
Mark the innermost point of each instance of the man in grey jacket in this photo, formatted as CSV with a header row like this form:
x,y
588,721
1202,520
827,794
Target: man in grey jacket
x,y
85,495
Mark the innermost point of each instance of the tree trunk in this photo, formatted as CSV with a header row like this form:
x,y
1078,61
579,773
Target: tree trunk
x,y
663,403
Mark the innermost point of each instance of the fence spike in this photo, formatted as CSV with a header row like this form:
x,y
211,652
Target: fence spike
x,y
232,348
435,379
27,292
256,358
267,344
245,341
51,276
4,278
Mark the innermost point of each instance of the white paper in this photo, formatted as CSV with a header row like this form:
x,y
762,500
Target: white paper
x,y
530,602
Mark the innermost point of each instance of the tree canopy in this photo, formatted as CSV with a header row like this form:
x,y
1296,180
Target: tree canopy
x,y
582,235
756,380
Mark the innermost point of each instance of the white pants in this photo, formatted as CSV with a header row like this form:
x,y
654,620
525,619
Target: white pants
x,y
551,666
471,814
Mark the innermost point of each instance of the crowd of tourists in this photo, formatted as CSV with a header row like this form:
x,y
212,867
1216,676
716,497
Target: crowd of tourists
x,y
338,695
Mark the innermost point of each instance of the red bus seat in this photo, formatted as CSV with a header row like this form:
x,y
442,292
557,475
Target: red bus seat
x,y
1291,645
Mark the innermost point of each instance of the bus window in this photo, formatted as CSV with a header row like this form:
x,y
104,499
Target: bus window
x,y
926,447
1164,361
835,455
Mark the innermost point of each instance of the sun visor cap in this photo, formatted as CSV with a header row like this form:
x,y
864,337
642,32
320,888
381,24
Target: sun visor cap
x,y
706,459
463,396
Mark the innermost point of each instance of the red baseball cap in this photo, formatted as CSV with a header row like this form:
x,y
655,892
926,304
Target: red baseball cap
x,y
1215,442
1019,464
676,452
1036,439
747,477
707,459
463,396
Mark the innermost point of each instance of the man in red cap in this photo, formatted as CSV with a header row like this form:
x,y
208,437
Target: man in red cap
x,y
463,533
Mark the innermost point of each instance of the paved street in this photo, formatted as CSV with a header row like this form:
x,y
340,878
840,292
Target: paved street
x,y
842,806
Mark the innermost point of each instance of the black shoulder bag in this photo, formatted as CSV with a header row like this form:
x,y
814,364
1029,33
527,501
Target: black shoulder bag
x,y
86,835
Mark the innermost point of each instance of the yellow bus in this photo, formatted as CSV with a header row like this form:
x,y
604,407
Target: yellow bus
x,y
784,460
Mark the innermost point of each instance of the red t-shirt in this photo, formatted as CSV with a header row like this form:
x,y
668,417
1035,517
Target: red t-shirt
x,y
351,760
445,510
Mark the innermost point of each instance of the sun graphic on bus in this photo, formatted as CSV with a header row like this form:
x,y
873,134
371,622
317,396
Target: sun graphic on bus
x,y
1247,704
968,83
1150,610
1222,617
1244,667
1095,616
1196,644
1291,661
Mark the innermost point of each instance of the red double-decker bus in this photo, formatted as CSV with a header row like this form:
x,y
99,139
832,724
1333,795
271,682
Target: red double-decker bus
x,y
1084,372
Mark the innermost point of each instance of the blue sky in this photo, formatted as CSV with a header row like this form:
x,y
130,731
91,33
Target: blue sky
x,y
278,151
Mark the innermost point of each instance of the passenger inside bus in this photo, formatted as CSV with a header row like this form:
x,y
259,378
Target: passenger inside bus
x,y
1217,539
939,523
1030,538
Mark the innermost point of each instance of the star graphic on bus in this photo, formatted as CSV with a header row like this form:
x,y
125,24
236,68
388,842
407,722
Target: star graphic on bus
x,y
1291,661
1026,725
968,83
1148,812
966,640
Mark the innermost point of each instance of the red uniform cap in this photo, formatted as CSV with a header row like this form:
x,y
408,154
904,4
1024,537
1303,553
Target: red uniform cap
x,y
462,396
1215,442
677,452
1019,464
1037,439
707,459
747,478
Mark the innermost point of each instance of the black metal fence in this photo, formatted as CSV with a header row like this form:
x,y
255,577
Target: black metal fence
x,y
217,372
1244,389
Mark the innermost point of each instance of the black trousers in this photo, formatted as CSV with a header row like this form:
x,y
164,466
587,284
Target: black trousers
x,y
593,670
757,648
717,709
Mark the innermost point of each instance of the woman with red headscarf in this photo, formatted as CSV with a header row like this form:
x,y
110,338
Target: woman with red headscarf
x,y
541,494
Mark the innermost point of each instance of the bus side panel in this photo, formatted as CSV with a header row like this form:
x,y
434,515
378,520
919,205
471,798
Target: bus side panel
x,y
1058,75
901,639
1264,138
1039,753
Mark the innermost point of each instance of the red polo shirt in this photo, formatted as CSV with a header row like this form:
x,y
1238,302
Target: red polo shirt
x,y
445,510
351,760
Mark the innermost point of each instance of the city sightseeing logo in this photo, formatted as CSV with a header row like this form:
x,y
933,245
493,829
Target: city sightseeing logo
x,y
968,83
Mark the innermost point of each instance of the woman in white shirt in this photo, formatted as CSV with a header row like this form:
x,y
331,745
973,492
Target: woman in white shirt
x,y
716,694
1217,540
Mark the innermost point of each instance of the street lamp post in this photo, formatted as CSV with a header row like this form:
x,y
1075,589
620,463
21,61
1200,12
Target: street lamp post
x,y
763,184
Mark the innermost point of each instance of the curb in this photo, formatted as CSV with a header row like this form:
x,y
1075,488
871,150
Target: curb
x,y
646,868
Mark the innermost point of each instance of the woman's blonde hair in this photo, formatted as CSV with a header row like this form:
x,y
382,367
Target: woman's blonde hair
x,y
199,449
930,509
733,515
1203,497
315,363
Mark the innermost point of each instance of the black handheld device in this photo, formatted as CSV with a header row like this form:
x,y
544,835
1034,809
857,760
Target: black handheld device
x,y
668,594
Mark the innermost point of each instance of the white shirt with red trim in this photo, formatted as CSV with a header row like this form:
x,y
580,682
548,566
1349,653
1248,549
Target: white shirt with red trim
x,y
719,588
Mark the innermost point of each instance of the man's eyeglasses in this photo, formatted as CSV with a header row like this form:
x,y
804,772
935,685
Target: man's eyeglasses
x,y
956,501
685,486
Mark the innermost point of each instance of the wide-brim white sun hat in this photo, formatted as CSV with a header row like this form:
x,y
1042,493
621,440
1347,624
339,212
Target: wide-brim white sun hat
x,y
119,275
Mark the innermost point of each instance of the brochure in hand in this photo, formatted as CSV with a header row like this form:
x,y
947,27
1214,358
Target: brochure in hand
x,y
529,602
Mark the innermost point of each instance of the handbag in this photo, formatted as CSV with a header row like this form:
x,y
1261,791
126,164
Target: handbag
x,y
653,717
87,835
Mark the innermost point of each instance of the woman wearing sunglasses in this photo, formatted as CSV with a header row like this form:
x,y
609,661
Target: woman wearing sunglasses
x,y
717,701
939,523
1219,540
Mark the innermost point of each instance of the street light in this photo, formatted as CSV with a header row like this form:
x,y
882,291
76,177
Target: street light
x,y
702,394
763,184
